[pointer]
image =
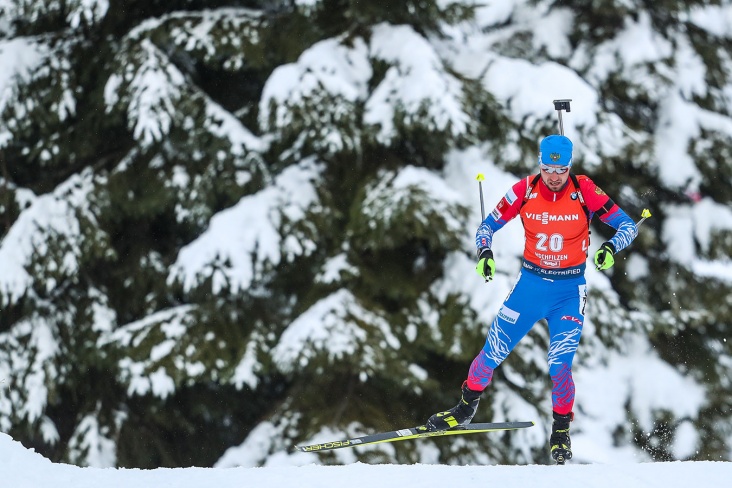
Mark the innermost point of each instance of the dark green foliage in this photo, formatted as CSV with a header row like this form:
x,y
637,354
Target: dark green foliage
x,y
337,16
714,159
598,20
635,106
9,205
194,427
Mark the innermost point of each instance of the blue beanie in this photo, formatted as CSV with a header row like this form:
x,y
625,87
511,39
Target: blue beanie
x,y
556,150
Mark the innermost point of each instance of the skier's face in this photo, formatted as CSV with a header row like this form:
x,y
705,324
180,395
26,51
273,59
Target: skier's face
x,y
554,181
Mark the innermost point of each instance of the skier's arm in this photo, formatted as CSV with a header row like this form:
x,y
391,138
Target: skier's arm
x,y
625,229
506,209
610,213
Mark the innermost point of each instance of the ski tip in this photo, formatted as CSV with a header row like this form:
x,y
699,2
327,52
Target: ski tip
x,y
525,423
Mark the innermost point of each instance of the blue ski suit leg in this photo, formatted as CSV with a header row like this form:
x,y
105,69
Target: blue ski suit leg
x,y
562,303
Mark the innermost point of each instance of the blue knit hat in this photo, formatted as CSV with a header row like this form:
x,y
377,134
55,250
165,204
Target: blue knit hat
x,y
555,150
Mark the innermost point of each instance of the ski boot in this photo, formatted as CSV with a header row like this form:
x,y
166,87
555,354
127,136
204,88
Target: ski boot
x,y
559,442
460,414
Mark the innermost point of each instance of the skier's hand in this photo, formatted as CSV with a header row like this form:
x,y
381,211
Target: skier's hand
x,y
486,266
604,256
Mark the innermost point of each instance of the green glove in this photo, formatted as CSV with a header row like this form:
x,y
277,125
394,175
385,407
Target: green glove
x,y
604,256
486,266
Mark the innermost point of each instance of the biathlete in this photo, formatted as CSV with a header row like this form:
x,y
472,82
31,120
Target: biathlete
x,y
555,207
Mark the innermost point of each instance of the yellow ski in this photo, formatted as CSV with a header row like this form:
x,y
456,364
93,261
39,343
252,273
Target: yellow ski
x,y
419,432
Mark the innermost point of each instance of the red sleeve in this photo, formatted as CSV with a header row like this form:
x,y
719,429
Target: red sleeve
x,y
596,199
508,207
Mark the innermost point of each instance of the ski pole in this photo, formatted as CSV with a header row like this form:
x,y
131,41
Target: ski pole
x,y
480,179
560,105
644,215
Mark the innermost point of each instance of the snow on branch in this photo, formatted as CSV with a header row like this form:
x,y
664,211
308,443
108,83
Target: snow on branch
x,y
414,203
317,97
51,216
337,327
151,88
416,88
242,239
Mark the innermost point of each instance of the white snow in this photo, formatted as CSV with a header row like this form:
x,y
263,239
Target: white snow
x,y
715,19
18,58
23,468
87,12
414,81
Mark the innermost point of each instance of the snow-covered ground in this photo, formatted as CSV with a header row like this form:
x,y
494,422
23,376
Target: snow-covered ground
x,y
23,468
